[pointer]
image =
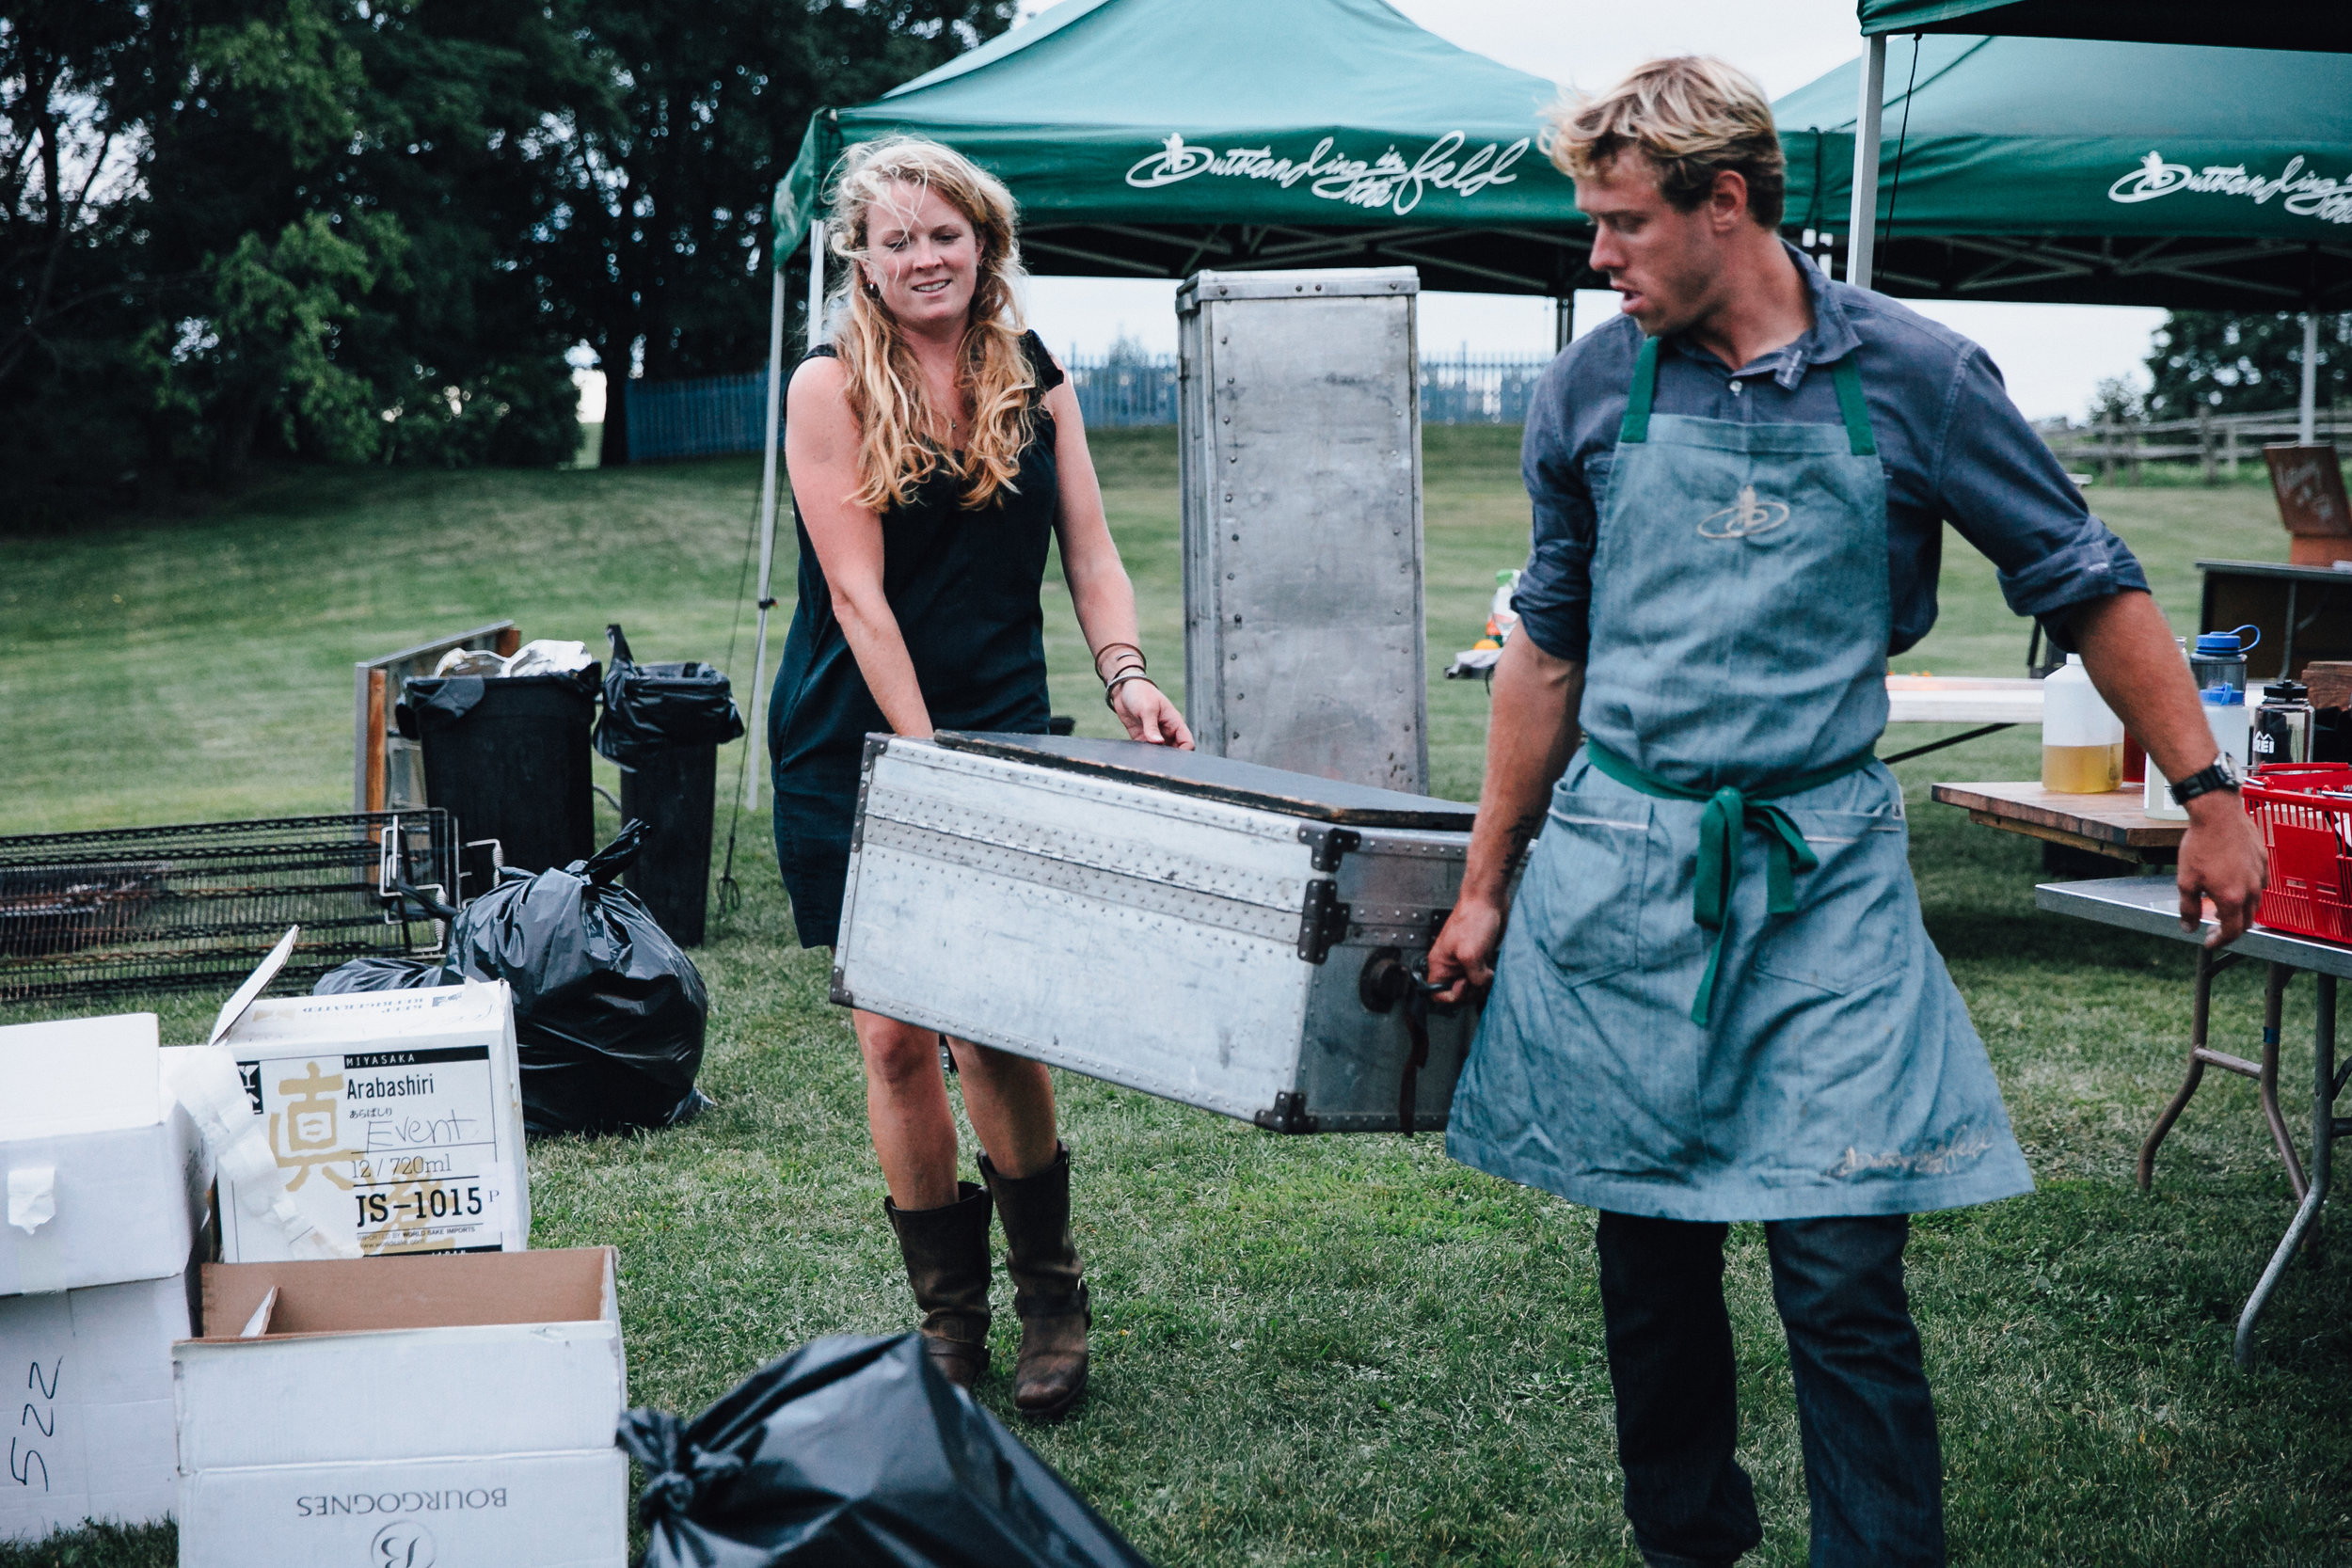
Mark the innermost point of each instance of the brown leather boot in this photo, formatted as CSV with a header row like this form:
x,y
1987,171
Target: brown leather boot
x,y
947,1264
1049,1286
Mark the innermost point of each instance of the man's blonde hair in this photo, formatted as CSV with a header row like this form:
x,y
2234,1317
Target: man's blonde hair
x,y
1694,117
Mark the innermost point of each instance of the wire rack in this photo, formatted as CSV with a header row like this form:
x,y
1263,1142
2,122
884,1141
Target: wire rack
x,y
197,905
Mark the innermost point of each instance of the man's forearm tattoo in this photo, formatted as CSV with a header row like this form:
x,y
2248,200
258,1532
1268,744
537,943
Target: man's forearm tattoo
x,y
1519,836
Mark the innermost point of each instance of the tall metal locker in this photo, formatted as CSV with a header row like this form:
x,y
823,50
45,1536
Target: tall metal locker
x,y
1301,416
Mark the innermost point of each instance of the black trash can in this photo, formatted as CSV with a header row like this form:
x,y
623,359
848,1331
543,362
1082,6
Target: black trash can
x,y
664,724
509,758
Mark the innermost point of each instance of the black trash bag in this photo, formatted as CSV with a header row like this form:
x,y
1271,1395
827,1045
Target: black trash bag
x,y
382,974
608,1013
445,698
853,1450
648,707
436,701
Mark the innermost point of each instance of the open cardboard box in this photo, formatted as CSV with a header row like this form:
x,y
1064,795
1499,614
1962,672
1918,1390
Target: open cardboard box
x,y
397,1116
455,1410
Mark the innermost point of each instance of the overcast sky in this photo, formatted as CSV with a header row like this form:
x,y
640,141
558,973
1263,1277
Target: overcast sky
x,y
2051,355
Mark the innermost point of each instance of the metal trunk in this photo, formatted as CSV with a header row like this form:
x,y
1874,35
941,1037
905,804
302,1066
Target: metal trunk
x,y
1201,929
1300,418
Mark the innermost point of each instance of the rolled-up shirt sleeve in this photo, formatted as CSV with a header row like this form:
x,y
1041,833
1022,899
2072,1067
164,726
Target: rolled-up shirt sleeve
x,y
1554,594
2005,491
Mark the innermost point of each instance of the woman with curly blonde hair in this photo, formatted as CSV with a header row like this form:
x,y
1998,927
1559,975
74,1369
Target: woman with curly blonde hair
x,y
935,451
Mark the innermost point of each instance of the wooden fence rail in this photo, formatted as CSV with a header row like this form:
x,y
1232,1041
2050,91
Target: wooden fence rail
x,y
2216,443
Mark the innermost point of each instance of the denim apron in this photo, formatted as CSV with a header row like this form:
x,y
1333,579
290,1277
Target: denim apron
x,y
1715,999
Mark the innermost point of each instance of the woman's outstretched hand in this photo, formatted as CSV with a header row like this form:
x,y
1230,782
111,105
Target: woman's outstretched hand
x,y
1149,716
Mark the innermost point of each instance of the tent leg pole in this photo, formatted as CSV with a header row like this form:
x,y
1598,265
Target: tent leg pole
x,y
1861,225
2307,412
1563,321
767,521
817,283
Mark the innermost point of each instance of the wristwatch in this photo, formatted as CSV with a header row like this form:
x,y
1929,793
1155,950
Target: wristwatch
x,y
2221,775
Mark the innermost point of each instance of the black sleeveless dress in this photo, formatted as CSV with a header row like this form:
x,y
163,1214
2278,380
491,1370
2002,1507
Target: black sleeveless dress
x,y
963,585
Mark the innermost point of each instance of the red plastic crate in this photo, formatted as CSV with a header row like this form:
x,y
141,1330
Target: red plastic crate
x,y
2305,813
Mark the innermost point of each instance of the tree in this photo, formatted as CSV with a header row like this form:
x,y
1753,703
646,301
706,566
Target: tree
x,y
660,261
355,230
68,322
2233,364
230,228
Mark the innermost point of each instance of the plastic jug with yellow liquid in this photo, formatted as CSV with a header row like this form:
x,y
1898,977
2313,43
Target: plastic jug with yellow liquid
x,y
2082,739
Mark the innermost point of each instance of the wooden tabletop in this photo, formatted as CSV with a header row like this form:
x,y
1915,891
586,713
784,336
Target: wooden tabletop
x,y
2111,824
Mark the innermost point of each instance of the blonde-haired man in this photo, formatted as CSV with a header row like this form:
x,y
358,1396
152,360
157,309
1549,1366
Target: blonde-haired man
x,y
1716,1001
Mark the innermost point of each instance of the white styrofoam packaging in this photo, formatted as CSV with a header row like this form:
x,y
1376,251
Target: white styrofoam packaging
x,y
87,1375
397,1117
457,1411
103,1176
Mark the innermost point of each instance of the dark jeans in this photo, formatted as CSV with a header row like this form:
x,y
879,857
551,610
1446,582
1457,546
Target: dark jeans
x,y
1874,1470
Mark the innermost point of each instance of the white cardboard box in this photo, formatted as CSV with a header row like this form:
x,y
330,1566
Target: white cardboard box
x,y
397,1116
103,1175
87,1375
509,1511
459,1410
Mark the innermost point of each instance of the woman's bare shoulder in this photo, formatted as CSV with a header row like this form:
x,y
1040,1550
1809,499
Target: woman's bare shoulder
x,y
817,397
819,372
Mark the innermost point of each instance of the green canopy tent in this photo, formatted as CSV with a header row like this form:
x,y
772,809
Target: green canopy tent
x,y
2100,172
2097,173
2281,24
2297,25
1150,138
2252,24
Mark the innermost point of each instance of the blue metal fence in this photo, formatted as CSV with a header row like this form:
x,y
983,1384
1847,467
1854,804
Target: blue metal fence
x,y
722,414
695,418
1483,389
1127,390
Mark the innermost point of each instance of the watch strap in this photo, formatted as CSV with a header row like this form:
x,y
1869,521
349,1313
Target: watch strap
x,y
2217,775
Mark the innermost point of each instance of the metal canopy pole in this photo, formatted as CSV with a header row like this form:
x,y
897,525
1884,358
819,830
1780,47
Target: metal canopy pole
x,y
2307,413
766,513
768,469
1862,232
817,283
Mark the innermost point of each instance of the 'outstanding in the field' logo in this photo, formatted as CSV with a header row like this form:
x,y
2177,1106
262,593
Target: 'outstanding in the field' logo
x,y
2307,194
1386,181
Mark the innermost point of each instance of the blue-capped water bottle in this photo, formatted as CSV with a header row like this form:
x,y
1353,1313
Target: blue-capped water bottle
x,y
2218,664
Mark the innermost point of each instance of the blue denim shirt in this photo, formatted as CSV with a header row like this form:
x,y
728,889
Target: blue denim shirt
x,y
1953,445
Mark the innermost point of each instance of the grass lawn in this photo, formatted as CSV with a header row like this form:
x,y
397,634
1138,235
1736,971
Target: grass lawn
x,y
1312,1351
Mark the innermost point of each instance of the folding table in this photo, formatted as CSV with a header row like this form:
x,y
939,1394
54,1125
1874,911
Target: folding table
x,y
2151,904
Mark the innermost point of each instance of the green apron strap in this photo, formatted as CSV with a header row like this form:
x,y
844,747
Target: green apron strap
x,y
1635,429
1644,391
1728,815
1850,403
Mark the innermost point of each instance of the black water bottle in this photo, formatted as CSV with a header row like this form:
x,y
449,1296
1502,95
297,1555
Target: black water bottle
x,y
2282,730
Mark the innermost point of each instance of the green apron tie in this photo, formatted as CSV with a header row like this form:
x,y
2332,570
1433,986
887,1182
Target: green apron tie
x,y
1729,813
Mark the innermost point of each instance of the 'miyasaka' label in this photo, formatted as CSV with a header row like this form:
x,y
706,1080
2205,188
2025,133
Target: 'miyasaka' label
x,y
409,1139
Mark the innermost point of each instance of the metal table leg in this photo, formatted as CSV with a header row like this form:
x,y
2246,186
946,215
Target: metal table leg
x,y
2274,993
2326,1126
2200,1055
